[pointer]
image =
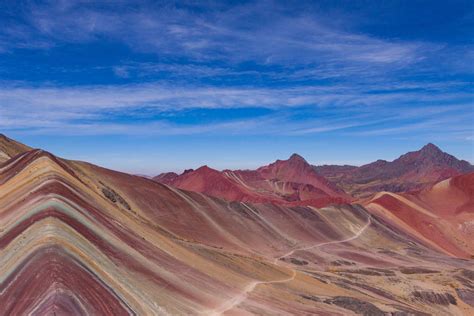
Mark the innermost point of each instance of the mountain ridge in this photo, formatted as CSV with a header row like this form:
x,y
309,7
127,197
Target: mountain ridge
x,y
10,148
336,183
76,238
283,181
411,171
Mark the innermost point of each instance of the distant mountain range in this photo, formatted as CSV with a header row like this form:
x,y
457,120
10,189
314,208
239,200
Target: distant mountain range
x,y
411,171
295,180
289,181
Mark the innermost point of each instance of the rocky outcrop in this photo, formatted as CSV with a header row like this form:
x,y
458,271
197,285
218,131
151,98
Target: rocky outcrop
x,y
114,197
434,298
356,305
467,296
416,270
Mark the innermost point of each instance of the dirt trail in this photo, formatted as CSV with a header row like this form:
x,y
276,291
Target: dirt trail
x,y
228,305
243,296
329,242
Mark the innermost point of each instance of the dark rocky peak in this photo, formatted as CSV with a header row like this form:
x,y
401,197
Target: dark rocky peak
x,y
428,153
295,161
187,171
296,157
431,149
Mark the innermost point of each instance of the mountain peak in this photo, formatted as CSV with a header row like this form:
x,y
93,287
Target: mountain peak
x,y
429,153
435,154
204,168
166,177
10,148
205,171
431,148
296,157
4,138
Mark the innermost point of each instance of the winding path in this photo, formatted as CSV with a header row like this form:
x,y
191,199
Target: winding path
x,y
228,305
329,242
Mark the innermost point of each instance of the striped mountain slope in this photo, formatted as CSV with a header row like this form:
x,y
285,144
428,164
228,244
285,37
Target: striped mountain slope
x,y
78,239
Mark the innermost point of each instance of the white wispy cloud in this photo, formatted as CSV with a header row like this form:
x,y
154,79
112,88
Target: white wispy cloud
x,y
161,98
292,111
445,125
262,32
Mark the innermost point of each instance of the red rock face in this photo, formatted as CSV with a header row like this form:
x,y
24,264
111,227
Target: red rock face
x,y
442,214
289,182
297,170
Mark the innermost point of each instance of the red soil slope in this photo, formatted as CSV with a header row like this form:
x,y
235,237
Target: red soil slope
x,y
442,214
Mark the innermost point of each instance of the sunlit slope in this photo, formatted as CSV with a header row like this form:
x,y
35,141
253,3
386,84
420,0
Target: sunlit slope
x,y
442,214
10,148
78,239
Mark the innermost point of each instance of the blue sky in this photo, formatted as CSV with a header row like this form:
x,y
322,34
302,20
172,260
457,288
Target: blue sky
x,y
147,87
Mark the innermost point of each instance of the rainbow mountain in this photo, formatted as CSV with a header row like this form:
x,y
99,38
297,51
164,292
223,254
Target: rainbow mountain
x,y
79,239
